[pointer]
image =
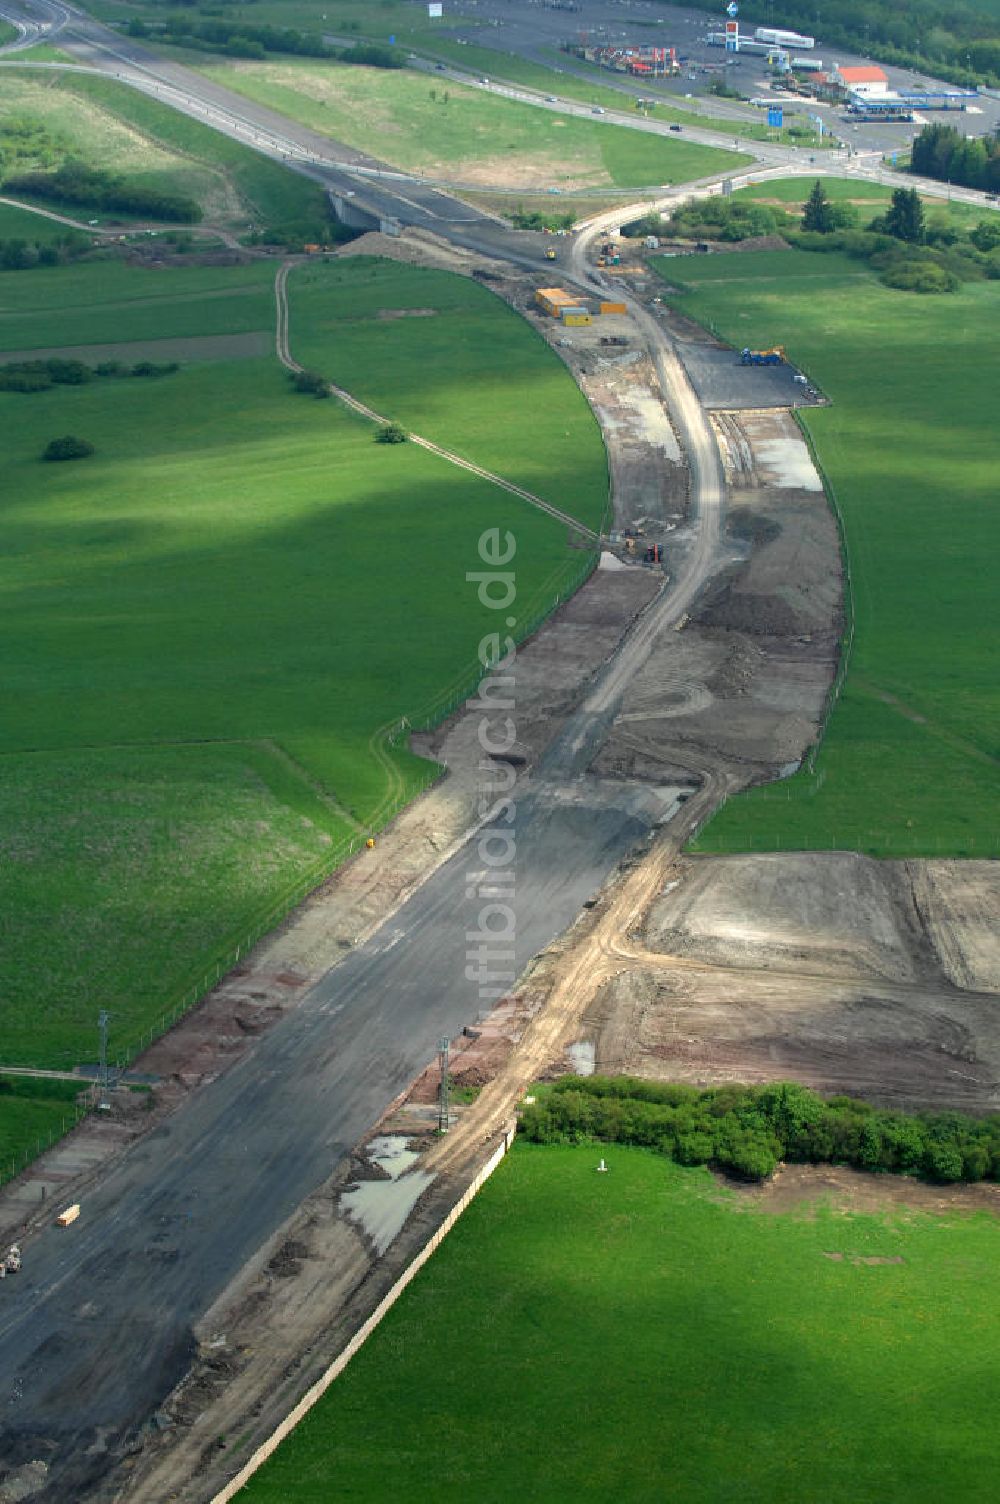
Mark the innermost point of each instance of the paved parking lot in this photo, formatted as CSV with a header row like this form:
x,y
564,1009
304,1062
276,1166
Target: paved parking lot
x,y
721,382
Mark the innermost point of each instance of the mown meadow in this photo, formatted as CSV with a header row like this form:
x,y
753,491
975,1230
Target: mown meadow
x,y
647,1334
908,444
214,626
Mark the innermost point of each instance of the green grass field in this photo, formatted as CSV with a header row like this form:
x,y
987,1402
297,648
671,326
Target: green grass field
x,y
111,126
400,18
98,301
455,375
33,1113
23,224
512,68
206,624
909,444
44,52
469,136
645,1335
868,197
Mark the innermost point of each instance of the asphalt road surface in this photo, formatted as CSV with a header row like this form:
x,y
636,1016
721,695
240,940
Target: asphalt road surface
x,y
722,382
533,31
97,1328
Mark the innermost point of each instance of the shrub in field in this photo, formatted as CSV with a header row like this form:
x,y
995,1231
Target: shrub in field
x,y
537,219
67,372
919,276
68,448
986,235
746,1130
725,219
150,368
648,224
310,383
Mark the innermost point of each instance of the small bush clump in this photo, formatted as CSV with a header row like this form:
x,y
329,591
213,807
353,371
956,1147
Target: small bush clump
x,y
310,383
68,448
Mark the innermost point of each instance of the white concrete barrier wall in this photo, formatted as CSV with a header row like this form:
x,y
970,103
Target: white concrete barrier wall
x,y
361,1336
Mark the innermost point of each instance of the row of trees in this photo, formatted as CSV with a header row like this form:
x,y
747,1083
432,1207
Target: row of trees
x,y
41,375
91,187
943,153
18,255
911,251
237,39
747,1130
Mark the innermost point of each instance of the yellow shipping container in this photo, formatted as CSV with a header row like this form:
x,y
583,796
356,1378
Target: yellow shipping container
x,y
576,318
554,300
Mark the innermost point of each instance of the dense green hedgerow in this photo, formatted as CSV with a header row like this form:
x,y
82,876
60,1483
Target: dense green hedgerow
x,y
236,39
41,375
76,182
746,1130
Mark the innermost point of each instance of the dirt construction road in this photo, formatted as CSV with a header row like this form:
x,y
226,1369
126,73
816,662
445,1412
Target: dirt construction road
x,y
182,1212
166,1233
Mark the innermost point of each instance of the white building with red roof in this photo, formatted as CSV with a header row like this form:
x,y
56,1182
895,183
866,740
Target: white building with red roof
x,y
865,80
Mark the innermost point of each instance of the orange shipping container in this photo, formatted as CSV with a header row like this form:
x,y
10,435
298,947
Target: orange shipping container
x,y
613,308
554,300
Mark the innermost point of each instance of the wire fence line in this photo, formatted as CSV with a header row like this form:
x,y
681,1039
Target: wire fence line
x,y
434,711
12,1167
440,706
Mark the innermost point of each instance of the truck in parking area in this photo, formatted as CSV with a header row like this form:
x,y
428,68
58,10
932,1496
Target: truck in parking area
x,y
778,38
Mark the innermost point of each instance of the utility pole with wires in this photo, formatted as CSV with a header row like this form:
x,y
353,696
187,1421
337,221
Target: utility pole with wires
x,y
103,1105
443,1118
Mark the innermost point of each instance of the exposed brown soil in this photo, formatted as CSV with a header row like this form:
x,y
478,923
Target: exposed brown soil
x,y
801,1188
825,968
683,968
742,687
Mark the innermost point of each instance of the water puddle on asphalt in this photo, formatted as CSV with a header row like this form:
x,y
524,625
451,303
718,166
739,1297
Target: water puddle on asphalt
x,y
380,1207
